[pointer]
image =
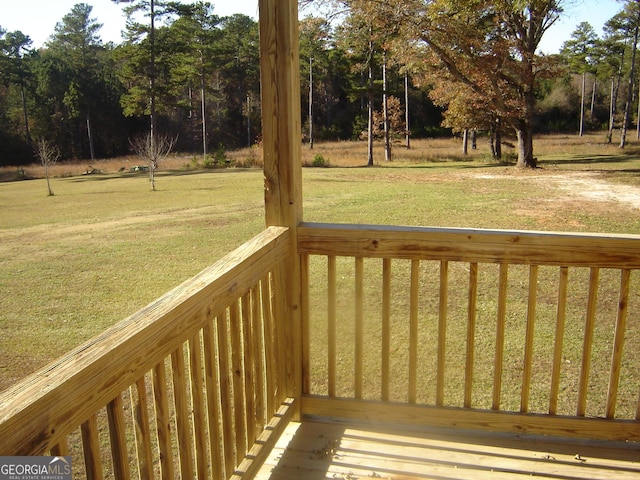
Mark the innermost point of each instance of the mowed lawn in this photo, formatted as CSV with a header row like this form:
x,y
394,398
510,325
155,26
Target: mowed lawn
x,y
104,246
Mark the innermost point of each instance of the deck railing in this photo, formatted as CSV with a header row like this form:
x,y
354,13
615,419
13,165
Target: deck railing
x,y
510,331
192,386
503,331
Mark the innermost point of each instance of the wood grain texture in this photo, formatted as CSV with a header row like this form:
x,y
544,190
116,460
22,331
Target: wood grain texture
x,y
388,413
589,328
142,430
528,343
500,326
163,420
386,328
414,290
212,385
182,407
559,337
91,449
198,415
261,449
281,146
471,334
618,343
442,331
471,245
318,450
117,436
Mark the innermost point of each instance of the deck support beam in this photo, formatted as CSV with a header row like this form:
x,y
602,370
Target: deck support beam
x,y
281,137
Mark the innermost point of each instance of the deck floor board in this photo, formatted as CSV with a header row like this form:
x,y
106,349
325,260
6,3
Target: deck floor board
x,y
319,450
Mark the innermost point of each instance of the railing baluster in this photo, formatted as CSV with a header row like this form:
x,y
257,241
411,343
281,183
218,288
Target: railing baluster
x,y
248,360
212,385
261,416
559,337
239,404
386,328
281,334
471,333
185,447
502,315
413,330
528,343
588,341
269,338
332,350
91,449
163,420
197,402
226,394
359,306
442,331
142,431
616,357
117,435
306,354
61,449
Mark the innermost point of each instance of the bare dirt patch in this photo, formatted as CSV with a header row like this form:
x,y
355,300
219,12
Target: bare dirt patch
x,y
590,186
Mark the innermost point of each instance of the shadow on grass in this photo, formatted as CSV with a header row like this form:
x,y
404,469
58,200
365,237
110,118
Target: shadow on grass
x,y
98,177
458,165
590,159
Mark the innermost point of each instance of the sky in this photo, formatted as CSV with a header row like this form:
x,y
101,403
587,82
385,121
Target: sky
x,y
38,18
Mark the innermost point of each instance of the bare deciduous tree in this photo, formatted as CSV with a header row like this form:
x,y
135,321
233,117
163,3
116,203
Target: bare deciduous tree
x,y
152,150
48,154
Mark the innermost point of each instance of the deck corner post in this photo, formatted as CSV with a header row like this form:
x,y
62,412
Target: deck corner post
x,y
281,136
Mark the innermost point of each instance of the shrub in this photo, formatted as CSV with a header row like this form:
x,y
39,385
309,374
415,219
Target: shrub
x,y
319,161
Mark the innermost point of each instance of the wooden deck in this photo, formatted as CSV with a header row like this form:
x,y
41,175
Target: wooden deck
x,y
318,450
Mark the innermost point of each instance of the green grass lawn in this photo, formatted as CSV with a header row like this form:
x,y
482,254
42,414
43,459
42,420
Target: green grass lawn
x,y
105,245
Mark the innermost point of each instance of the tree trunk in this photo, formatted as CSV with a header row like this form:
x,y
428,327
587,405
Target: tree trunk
x,y
638,117
311,103
498,139
495,140
152,108
465,141
524,130
249,121
612,110
593,99
370,127
627,106
90,135
525,147
406,111
203,109
584,86
615,88
26,117
370,107
385,110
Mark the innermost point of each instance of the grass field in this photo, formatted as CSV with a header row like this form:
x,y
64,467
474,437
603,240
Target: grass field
x,y
105,245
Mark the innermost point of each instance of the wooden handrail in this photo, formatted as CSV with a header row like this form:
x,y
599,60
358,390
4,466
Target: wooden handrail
x,y
471,245
507,261
38,413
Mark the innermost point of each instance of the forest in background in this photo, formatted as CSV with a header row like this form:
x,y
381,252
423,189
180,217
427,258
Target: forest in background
x,y
186,73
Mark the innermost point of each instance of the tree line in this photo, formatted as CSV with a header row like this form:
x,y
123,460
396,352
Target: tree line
x,y
369,69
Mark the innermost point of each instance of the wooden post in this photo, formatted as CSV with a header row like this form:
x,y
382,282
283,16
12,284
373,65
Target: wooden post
x,y
282,137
